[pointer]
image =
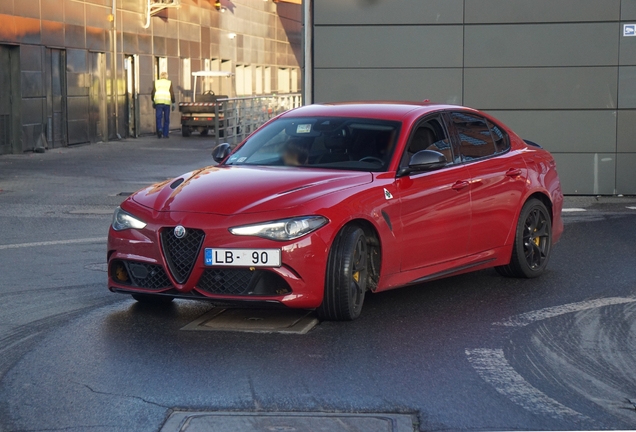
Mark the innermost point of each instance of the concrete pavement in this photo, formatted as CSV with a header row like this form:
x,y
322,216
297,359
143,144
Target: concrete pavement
x,y
450,354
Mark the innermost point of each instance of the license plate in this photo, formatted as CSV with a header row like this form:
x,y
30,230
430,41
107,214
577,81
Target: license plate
x,y
242,257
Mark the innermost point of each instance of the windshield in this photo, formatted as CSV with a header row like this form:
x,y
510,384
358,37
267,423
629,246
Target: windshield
x,y
336,143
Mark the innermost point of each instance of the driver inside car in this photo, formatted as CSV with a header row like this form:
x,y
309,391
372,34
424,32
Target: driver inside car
x,y
295,153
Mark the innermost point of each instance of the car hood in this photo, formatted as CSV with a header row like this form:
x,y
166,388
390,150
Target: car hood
x,y
230,190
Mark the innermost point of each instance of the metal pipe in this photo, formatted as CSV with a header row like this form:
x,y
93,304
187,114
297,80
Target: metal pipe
x,y
308,57
114,70
147,23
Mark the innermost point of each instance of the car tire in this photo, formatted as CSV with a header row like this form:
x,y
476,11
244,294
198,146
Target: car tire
x,y
150,299
346,278
533,242
185,131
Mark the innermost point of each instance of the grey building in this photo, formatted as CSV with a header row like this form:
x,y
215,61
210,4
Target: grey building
x,y
559,72
58,79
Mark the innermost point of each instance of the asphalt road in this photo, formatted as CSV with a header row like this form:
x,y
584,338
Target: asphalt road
x,y
473,352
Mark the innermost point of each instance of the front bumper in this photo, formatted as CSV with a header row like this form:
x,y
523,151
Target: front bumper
x,y
137,263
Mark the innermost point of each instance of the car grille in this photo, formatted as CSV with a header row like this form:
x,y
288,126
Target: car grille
x,y
242,282
181,253
226,281
140,274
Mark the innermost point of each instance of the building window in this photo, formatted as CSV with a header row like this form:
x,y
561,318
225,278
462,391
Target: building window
x,y
186,74
294,80
248,81
215,83
267,80
258,80
161,65
283,80
226,83
240,80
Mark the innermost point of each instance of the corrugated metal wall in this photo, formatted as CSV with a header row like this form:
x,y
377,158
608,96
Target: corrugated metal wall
x,y
559,72
64,49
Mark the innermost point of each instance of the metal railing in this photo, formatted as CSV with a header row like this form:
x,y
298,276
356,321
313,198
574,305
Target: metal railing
x,y
236,118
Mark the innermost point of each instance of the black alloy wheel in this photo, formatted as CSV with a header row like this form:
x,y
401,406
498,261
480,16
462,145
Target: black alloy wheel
x,y
347,275
533,242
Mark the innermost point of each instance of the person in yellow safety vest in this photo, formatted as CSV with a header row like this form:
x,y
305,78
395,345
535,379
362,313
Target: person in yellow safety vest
x,y
162,97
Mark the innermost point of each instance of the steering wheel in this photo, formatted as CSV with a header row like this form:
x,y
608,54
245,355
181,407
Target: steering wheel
x,y
209,92
372,159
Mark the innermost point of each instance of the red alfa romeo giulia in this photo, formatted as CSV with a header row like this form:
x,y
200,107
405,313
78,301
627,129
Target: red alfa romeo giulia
x,y
326,202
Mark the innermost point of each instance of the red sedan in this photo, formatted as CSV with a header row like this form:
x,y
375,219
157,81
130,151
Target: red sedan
x,y
327,202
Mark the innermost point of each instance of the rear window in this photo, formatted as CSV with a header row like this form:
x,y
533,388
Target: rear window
x,y
335,143
502,143
476,141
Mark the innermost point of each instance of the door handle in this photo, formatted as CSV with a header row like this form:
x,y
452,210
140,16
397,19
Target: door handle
x,y
460,184
513,172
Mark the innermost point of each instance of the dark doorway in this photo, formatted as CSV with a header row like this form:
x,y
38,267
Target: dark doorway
x,y
97,123
10,99
132,95
56,97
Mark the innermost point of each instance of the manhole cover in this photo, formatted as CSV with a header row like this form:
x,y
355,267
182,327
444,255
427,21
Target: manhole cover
x,y
181,421
255,321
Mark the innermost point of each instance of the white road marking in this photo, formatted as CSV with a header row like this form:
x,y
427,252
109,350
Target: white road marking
x,y
572,210
53,243
491,364
631,208
529,317
492,367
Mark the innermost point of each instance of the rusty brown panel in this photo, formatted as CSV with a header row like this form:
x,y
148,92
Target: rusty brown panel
x,y
7,28
27,30
145,44
184,48
27,9
52,33
159,46
74,36
172,47
52,10
96,39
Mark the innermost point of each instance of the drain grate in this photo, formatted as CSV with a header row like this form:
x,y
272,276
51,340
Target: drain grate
x,y
182,421
288,321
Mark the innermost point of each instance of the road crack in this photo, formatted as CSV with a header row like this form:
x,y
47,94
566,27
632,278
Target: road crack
x,y
121,395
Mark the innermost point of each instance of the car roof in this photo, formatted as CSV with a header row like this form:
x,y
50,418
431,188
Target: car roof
x,y
386,110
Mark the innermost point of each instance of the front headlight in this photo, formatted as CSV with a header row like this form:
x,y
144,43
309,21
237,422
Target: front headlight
x,y
282,230
123,220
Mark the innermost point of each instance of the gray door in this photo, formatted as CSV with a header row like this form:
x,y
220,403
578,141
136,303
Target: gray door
x,y
5,100
56,97
132,95
10,132
97,123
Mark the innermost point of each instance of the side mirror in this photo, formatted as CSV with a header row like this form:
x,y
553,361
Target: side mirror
x,y
221,152
425,160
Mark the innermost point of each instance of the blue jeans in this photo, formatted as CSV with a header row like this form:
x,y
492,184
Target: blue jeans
x,y
163,114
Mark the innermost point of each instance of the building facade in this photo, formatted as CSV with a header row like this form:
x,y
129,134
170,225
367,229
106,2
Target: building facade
x,y
59,84
559,72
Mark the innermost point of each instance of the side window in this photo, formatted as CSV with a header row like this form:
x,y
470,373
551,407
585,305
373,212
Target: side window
x,y
502,143
476,141
429,135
